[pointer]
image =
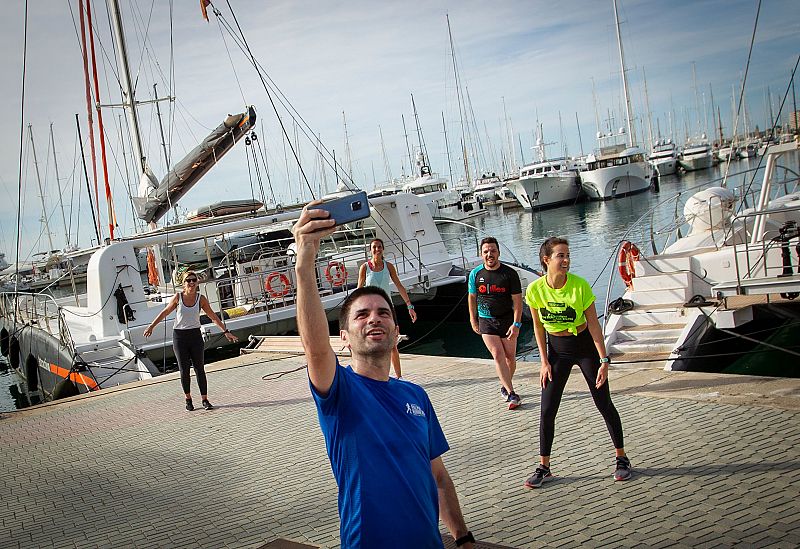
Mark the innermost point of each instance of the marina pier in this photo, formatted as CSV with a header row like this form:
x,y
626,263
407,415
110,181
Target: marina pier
x,y
715,460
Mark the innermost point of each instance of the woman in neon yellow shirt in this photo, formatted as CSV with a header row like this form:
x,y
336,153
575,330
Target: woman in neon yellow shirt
x,y
567,333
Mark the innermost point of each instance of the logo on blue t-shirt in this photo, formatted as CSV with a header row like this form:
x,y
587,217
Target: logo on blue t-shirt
x,y
414,410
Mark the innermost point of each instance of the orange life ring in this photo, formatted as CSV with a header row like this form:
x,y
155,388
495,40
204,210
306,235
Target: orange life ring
x,y
286,286
628,253
336,273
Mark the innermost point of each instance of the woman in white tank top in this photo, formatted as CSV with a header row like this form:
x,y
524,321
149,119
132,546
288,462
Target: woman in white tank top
x,y
378,272
187,339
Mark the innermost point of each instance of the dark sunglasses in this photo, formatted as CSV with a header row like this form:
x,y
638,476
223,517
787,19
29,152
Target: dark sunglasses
x,y
190,280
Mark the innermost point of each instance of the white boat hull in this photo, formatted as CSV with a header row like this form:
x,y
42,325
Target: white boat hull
x,y
535,193
665,166
696,162
615,181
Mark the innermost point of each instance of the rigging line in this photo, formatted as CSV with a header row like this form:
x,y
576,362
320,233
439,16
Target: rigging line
x,y
144,32
241,42
271,100
21,141
287,105
230,58
263,151
750,339
744,81
282,99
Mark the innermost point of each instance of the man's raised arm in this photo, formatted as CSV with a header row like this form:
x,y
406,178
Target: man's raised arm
x,y
311,227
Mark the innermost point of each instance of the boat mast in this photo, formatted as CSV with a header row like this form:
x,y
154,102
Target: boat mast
x,y
60,194
461,106
628,109
128,92
649,114
41,191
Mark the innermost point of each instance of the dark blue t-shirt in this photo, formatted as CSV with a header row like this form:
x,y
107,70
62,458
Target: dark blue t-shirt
x,y
381,437
494,290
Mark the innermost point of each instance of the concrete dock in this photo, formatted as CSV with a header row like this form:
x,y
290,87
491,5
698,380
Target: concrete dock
x,y
716,462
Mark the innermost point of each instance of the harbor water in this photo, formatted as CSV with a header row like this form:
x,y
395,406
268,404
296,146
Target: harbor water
x,y
594,230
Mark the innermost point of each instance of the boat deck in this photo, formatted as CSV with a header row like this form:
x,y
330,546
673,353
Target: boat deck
x,y
715,461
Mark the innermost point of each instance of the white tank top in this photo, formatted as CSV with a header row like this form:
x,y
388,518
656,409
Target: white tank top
x,y
187,318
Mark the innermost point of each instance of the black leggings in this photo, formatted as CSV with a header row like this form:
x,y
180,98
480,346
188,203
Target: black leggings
x,y
562,353
188,346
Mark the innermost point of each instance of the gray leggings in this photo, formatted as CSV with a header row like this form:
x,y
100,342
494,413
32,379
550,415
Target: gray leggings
x,y
188,346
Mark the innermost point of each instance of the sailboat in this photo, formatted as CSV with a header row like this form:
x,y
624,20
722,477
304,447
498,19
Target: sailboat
x,y
94,340
618,168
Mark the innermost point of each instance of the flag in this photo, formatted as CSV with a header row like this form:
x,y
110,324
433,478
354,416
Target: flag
x,y
203,5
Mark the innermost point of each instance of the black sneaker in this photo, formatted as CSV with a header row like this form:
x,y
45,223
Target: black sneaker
x,y
504,393
539,477
207,405
514,401
623,469
189,405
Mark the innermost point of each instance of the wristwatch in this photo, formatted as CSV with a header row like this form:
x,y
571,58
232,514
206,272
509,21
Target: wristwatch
x,y
605,360
466,538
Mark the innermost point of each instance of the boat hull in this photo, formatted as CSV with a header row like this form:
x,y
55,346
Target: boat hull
x,y
538,193
665,166
615,181
694,163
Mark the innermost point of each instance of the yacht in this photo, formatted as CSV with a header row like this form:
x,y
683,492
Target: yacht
x,y
696,155
717,298
444,203
615,171
664,157
547,184
618,168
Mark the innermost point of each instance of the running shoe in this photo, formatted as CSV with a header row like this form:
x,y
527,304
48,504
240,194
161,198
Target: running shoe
x,y
189,405
513,401
539,477
504,393
623,468
207,405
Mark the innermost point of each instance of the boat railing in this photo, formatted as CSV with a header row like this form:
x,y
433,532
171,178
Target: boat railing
x,y
771,256
36,309
663,224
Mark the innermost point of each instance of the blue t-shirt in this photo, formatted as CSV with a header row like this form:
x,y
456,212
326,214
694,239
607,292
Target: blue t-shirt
x,y
494,290
381,437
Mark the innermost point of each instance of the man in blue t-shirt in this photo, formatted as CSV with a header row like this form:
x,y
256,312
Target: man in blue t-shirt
x,y
495,312
382,436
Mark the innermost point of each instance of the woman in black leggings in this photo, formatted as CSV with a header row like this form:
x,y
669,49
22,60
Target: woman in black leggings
x,y
567,333
187,340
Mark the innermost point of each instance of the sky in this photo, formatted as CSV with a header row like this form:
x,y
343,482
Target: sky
x,y
359,62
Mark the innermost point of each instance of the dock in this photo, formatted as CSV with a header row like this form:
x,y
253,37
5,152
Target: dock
x,y
716,461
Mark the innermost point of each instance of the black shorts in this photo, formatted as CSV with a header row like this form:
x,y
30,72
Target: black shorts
x,y
495,326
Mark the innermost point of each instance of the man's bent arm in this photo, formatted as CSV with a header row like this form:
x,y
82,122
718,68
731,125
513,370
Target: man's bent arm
x,y
311,319
449,509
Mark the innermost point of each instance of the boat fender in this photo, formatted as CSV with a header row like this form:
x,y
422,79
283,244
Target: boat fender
x,y
65,388
32,372
628,253
13,352
336,273
4,342
285,285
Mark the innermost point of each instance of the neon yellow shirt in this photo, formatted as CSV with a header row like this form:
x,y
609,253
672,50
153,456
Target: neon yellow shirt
x,y
561,309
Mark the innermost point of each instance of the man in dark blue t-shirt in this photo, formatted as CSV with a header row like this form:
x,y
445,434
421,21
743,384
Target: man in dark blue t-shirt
x,y
495,312
383,439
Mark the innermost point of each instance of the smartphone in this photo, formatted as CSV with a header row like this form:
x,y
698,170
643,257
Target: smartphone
x,y
347,209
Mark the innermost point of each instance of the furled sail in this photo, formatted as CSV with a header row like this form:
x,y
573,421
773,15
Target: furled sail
x,y
155,200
